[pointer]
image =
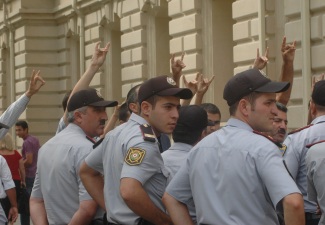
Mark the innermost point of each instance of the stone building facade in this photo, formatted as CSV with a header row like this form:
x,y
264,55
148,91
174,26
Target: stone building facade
x,y
219,37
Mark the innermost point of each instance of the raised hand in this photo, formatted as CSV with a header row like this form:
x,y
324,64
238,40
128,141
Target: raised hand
x,y
261,61
35,83
192,85
99,55
177,67
288,50
203,84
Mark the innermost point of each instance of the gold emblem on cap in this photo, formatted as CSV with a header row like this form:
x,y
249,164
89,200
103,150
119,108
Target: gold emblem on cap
x,y
98,94
171,81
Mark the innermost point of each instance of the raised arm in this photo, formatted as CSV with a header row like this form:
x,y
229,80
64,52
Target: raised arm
x,y
192,85
261,61
177,67
97,61
202,88
287,72
12,113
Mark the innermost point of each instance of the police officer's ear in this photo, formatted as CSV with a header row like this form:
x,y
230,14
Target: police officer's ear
x,y
134,107
77,116
312,109
244,107
146,108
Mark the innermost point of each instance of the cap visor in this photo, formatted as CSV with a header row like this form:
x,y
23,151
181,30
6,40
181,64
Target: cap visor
x,y
273,87
3,126
183,93
104,104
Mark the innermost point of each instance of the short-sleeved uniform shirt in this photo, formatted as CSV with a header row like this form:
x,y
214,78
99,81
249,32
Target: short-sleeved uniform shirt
x,y
124,153
234,177
7,183
295,156
173,158
30,146
315,162
57,179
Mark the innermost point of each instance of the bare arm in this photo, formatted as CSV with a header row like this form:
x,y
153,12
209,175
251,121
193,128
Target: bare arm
x,y
140,203
177,210
287,72
29,159
192,85
37,211
85,213
293,206
22,172
13,212
35,83
202,88
93,182
177,67
97,61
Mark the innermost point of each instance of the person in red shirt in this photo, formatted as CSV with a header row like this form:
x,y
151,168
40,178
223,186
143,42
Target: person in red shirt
x,y
16,166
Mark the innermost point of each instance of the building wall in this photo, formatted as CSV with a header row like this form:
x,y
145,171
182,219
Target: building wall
x,y
218,37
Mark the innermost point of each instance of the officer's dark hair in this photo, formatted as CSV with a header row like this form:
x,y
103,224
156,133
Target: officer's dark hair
x,y
281,107
22,123
65,100
132,96
250,97
152,100
187,136
124,113
210,108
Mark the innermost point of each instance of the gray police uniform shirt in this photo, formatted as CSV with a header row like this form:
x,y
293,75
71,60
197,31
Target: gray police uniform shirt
x,y
124,153
6,184
173,158
57,179
295,156
234,177
315,162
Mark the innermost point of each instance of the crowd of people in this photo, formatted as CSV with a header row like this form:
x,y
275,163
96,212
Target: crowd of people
x,y
163,158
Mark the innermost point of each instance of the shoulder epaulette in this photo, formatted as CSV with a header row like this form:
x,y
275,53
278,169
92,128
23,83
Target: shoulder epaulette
x,y
147,133
268,137
309,145
300,129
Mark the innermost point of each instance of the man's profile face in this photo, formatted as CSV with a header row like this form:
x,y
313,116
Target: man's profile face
x,y
261,112
93,121
279,130
164,114
214,119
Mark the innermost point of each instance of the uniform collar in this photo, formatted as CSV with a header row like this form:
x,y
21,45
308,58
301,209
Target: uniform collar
x,y
181,147
138,119
318,119
233,122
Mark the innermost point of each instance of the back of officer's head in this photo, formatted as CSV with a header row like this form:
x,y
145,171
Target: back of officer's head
x,y
192,121
318,95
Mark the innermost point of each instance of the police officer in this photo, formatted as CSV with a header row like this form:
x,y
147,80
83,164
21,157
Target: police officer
x,y
129,157
190,129
58,196
315,162
230,174
296,143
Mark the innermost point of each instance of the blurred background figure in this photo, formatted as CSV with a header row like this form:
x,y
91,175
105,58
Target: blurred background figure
x,y
16,166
